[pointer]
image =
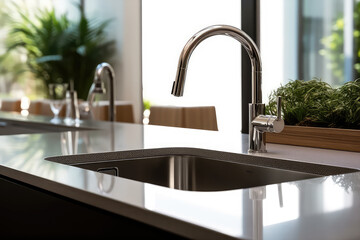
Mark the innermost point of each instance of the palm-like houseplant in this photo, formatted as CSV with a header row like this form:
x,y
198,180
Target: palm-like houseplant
x,y
60,50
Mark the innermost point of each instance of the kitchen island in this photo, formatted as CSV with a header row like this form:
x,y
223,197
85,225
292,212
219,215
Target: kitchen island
x,y
42,197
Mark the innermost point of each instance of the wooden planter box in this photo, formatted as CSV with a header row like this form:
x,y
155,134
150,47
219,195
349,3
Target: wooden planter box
x,y
330,138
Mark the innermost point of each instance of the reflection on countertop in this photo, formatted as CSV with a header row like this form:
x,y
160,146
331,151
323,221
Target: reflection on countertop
x,y
319,208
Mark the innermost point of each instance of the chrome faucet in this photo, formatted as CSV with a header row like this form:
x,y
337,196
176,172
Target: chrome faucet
x,y
259,123
98,87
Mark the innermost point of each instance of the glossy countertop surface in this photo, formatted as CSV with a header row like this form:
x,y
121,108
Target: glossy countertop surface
x,y
319,208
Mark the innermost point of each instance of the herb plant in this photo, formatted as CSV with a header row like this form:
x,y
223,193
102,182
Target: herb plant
x,y
316,103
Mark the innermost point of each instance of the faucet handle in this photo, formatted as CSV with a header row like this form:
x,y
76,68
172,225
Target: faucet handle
x,y
278,123
278,107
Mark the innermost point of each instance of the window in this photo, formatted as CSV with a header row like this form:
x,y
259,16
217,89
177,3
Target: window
x,y
213,77
303,39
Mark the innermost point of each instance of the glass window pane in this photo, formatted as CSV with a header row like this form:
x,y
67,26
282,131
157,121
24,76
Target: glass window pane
x,y
305,39
213,77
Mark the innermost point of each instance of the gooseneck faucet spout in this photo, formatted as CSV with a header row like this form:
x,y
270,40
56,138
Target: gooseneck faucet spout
x,y
259,123
241,36
99,86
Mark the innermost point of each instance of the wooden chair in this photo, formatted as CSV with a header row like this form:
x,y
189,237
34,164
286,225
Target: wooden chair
x,y
11,105
42,107
124,111
203,117
200,118
166,116
35,107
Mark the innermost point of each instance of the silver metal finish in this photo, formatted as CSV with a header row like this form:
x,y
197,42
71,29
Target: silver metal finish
x,y
278,108
269,123
259,123
72,106
195,173
241,36
99,86
257,195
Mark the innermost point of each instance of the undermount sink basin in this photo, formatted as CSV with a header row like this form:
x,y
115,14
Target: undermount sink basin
x,y
195,173
210,171
11,127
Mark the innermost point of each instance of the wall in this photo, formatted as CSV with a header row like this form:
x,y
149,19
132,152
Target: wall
x,y
214,74
125,27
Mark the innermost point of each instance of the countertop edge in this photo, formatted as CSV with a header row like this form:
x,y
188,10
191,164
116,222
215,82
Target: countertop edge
x,y
151,218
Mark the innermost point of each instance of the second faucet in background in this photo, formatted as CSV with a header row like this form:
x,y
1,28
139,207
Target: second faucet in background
x,y
98,87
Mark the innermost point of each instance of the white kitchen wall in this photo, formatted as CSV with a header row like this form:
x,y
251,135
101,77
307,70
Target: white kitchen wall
x,y
214,74
125,28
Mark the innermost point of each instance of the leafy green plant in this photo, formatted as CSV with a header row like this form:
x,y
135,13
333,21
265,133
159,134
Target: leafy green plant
x,y
11,64
11,71
147,104
60,50
316,103
348,98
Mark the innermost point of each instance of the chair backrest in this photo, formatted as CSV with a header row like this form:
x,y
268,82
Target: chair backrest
x,y
203,117
200,118
166,116
42,107
10,105
35,107
124,111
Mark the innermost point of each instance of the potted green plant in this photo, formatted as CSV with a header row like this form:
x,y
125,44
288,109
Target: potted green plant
x,y
318,115
60,50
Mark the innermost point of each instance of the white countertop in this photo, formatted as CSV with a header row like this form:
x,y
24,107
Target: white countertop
x,y
319,208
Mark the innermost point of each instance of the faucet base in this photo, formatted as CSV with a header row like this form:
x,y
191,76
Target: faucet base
x,y
256,136
257,151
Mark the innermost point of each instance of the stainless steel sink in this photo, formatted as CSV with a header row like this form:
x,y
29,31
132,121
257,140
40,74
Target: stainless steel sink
x,y
210,171
195,173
